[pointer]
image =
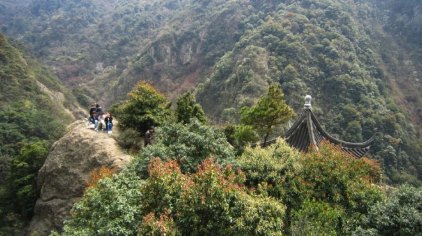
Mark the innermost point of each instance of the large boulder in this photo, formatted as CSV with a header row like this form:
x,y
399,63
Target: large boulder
x,y
67,169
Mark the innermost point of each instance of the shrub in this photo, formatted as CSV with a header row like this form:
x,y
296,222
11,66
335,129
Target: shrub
x,y
188,144
400,214
23,174
130,139
317,218
336,177
98,174
274,170
163,187
330,176
212,201
163,225
110,208
342,181
245,134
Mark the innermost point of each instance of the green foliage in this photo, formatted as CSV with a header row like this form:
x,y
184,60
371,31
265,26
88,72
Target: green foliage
x,y
317,218
24,169
273,170
336,177
245,134
270,110
23,121
129,139
18,190
81,97
341,53
164,187
215,204
324,47
188,144
210,201
240,135
403,18
144,108
400,214
187,108
31,119
327,178
111,208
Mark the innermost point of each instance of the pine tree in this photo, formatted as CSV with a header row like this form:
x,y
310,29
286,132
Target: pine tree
x,y
270,110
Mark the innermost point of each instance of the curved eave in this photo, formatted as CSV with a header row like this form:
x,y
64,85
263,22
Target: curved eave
x,y
307,131
333,140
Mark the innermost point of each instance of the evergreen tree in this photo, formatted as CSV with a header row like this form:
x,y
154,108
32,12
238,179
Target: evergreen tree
x,y
144,108
271,110
188,108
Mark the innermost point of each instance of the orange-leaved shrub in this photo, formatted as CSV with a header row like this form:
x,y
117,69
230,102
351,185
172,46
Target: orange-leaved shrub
x,y
163,225
97,174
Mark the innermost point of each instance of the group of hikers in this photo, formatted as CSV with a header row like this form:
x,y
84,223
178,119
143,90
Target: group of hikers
x,y
104,122
101,121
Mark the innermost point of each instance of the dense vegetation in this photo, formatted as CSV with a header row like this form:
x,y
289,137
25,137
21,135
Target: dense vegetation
x,y
334,50
360,60
32,111
173,187
279,192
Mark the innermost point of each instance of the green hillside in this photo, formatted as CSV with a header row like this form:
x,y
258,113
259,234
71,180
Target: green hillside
x,y
34,110
360,60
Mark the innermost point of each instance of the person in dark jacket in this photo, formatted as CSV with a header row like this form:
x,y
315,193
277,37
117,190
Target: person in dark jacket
x,y
99,109
149,136
92,113
109,122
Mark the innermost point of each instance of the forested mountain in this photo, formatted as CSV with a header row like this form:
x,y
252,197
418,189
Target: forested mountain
x,y
34,108
360,60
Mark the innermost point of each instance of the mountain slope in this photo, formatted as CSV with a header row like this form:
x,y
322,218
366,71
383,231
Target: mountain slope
x,y
35,108
349,55
29,87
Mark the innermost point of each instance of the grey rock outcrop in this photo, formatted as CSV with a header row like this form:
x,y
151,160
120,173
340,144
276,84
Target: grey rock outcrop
x,y
65,172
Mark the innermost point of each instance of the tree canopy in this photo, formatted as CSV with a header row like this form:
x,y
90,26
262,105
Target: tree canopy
x,y
270,110
187,108
145,107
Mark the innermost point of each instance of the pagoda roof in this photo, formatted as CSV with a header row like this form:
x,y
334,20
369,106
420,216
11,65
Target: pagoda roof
x,y
307,132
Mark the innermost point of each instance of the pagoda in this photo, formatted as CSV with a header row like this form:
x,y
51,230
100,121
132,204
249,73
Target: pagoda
x,y
306,133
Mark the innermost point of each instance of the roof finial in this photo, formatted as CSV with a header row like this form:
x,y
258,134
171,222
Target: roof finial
x,y
308,100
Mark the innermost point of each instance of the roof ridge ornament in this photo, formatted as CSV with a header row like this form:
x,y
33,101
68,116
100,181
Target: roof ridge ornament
x,y
308,99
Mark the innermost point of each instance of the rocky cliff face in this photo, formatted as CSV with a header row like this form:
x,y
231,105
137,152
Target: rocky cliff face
x,y
66,170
